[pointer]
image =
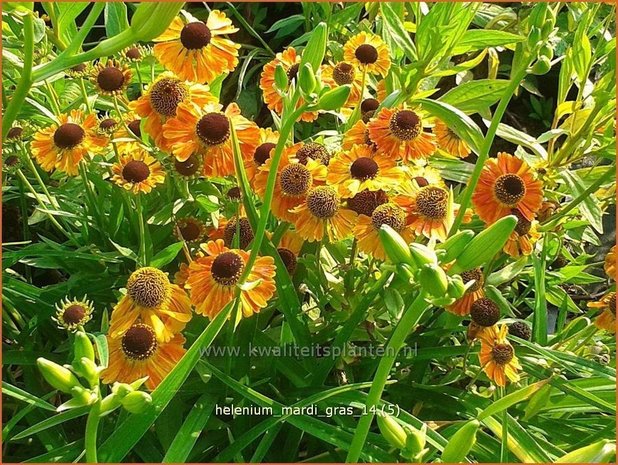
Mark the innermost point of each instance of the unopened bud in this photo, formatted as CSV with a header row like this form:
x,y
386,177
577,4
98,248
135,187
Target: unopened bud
x,y
334,99
281,78
433,280
57,376
395,246
392,431
306,79
83,347
136,401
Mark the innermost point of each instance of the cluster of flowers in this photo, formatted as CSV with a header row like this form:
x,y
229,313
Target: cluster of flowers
x,y
381,174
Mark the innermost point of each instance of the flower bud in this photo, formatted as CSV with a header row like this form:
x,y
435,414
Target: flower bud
x,y
281,79
150,20
57,376
395,246
392,431
109,404
454,245
334,99
121,389
422,255
456,287
82,347
82,395
306,79
88,369
461,443
415,441
433,280
542,66
599,452
136,401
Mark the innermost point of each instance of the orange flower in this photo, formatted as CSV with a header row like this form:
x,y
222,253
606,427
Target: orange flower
x,y
497,356
607,319
293,181
399,134
361,168
290,62
138,353
289,247
152,299
62,146
507,183
423,175
341,74
189,229
358,134
449,141
368,52
321,214
266,145
196,51
206,130
111,78
610,263
522,239
161,100
462,305
214,275
137,171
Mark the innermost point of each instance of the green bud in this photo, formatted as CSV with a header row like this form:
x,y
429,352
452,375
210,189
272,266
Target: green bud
x,y
82,347
600,452
395,246
57,376
121,389
136,401
433,280
542,66
415,441
316,46
281,78
534,37
537,15
422,255
334,99
456,287
547,51
485,245
461,443
88,369
547,29
454,245
392,431
82,395
109,404
306,79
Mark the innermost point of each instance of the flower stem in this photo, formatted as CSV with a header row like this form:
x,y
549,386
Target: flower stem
x,y
38,176
142,231
408,321
504,433
92,427
82,87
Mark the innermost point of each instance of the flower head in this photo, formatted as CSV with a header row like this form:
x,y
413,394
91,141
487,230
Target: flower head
x,y
449,141
111,77
137,171
607,319
368,52
497,356
73,314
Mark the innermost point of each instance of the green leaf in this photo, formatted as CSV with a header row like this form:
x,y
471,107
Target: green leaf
x,y
67,13
398,31
511,134
599,452
511,399
476,39
52,421
475,96
116,20
166,255
20,394
589,207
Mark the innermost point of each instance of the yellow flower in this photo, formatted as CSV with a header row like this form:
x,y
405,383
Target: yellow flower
x,y
607,319
497,356
111,78
449,141
610,263
137,171
368,52
462,305
522,239
72,314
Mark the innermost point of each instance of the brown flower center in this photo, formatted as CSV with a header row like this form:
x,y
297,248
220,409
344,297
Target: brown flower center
x,y
190,229
612,303
295,180
68,135
139,342
148,287
405,125
432,202
389,214
107,124
313,150
288,258
110,79
213,128
235,225
188,167
343,73
11,161
234,193
74,314
262,153
195,36
369,104
475,275
509,189
135,171
502,353
421,181
15,133
133,53
485,312
367,54
364,168
135,127
323,202
365,202
166,94
79,68
227,268
293,71
521,330
523,224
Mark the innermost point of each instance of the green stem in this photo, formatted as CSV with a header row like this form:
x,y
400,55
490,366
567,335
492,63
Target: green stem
x,y
142,231
82,87
19,96
139,75
250,30
38,177
484,151
53,99
92,427
91,196
504,450
408,321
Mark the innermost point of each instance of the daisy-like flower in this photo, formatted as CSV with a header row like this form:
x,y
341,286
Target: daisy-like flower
x,y
161,100
180,277
462,305
399,134
610,263
312,150
62,146
368,52
196,51
367,228
368,108
79,71
449,141
189,168
15,133
111,77
11,164
151,299
107,126
206,130
522,239
138,353
497,356
428,210
293,182
289,248
73,314
424,175
360,168
237,226
214,275
607,319
290,61
267,142
321,214
190,230
137,171
342,74
507,183
134,53
365,202
358,134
